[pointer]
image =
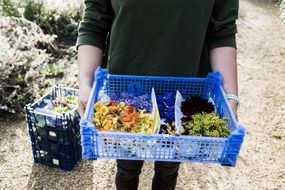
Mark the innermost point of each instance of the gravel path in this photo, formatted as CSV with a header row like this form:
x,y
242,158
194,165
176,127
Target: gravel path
x,y
261,164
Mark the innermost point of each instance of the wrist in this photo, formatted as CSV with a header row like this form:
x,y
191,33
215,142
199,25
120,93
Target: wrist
x,y
83,82
233,98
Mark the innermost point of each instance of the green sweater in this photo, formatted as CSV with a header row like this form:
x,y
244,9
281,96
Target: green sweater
x,y
158,37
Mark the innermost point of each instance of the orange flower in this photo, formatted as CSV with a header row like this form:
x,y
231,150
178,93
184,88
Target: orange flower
x,y
114,109
129,109
121,117
125,117
135,116
129,125
112,103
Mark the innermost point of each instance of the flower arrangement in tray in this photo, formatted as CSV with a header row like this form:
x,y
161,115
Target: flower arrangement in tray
x,y
125,113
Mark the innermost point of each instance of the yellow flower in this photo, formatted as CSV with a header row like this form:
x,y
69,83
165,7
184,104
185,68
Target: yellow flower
x,y
121,105
97,115
147,132
147,116
150,124
134,130
108,127
123,129
104,110
115,121
142,112
106,123
98,105
97,122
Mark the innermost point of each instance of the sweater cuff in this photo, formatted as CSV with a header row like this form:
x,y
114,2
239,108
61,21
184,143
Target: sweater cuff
x,y
90,40
228,41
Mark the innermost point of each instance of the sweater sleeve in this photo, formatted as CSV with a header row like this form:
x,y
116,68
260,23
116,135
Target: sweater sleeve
x,y
222,27
95,24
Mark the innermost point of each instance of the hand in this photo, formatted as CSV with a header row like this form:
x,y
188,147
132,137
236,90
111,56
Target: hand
x,y
83,96
233,105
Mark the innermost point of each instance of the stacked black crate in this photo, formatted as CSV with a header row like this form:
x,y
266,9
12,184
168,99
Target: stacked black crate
x,y
55,138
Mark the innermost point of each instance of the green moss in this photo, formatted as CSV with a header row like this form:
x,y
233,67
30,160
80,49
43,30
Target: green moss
x,y
207,124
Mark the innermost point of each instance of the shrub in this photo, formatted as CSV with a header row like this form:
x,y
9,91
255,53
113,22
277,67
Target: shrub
x,y
52,16
10,8
53,21
20,62
30,63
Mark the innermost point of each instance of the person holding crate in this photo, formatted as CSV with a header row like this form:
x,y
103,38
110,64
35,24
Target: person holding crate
x,y
157,38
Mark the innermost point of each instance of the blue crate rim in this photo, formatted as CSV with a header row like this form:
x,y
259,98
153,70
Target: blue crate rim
x,y
105,72
99,70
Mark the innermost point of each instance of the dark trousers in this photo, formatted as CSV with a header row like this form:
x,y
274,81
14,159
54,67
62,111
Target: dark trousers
x,y
128,171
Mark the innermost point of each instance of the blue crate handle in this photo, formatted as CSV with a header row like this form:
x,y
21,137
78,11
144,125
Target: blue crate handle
x,y
100,76
88,128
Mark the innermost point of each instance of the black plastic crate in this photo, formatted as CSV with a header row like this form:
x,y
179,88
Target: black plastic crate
x,y
55,138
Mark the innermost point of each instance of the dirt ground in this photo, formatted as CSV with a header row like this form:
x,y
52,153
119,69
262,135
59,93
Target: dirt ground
x,y
261,164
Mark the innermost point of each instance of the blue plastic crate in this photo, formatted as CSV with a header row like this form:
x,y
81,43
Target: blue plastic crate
x,y
55,139
131,146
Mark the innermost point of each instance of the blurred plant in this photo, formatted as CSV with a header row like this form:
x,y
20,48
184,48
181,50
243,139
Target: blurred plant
x,y
282,7
20,61
281,4
52,71
10,7
53,21
25,51
61,20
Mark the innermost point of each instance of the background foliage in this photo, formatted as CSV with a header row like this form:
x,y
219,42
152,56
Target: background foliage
x,y
53,17
37,39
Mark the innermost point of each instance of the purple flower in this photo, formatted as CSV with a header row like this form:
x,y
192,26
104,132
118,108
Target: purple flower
x,y
170,99
166,106
124,95
113,96
140,102
160,99
170,116
161,109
